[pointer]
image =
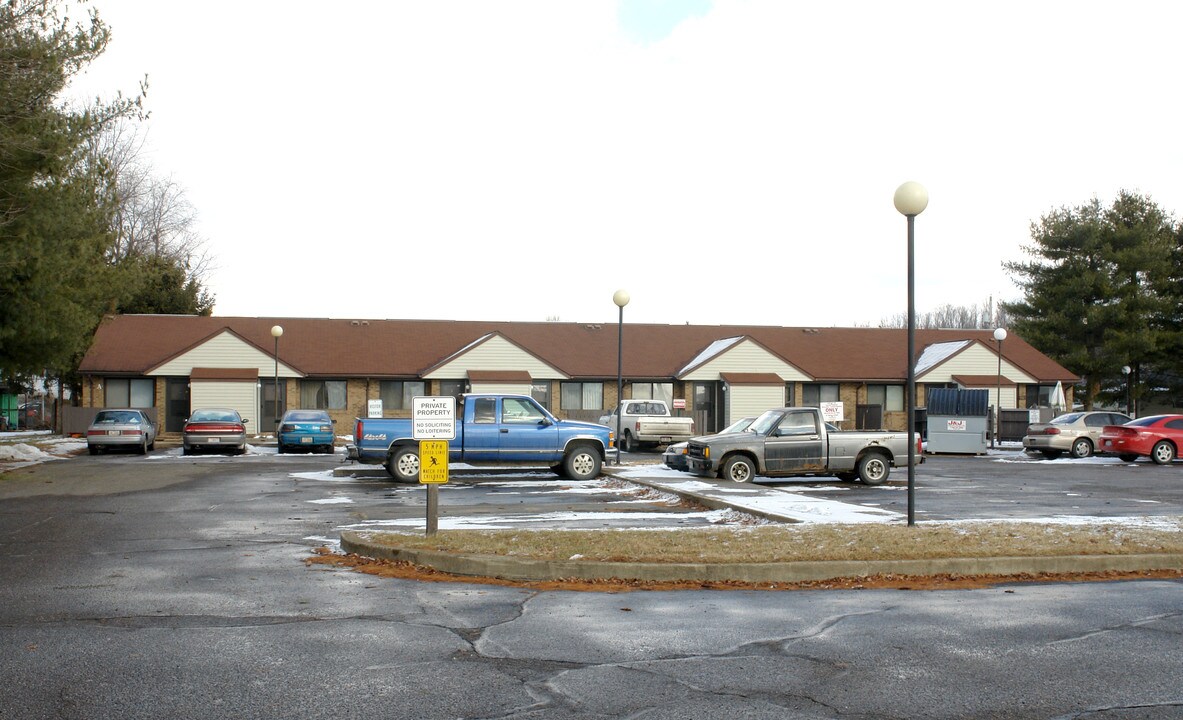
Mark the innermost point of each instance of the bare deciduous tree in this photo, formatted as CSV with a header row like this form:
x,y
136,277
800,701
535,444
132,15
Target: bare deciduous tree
x,y
960,317
151,216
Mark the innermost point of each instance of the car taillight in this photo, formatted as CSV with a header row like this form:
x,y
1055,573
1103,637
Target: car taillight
x,y
357,432
287,428
132,432
326,428
1051,431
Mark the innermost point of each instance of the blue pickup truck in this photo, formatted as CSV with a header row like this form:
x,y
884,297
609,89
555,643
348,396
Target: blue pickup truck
x,y
491,430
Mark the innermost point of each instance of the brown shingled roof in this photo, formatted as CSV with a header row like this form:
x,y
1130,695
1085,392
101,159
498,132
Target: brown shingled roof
x,y
405,348
499,376
199,373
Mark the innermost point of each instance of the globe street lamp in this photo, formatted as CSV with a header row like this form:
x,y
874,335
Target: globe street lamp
x,y
1125,370
999,335
621,298
910,200
276,331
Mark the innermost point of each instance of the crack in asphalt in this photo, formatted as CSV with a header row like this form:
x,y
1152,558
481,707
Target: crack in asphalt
x,y
1142,622
540,678
1096,712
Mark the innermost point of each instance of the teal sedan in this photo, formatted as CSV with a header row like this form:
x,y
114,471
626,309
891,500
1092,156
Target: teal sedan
x,y
306,430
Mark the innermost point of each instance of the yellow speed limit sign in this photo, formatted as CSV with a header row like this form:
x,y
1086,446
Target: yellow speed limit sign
x,y
433,462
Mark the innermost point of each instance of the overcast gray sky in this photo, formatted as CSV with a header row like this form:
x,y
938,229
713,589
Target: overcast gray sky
x,y
725,162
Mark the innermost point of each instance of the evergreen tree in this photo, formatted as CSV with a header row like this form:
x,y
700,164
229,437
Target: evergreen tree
x,y
1095,297
53,224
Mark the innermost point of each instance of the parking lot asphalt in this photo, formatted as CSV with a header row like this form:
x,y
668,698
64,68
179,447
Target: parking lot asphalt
x,y
772,503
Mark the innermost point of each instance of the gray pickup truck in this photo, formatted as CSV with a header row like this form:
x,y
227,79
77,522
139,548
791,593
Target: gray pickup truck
x,y
796,441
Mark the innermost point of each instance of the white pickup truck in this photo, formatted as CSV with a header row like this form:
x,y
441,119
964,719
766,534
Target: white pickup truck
x,y
648,423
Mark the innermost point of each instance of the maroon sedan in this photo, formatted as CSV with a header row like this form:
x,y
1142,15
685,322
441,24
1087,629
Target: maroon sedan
x,y
1158,436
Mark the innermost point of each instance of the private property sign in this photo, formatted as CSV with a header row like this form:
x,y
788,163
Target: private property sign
x,y
433,418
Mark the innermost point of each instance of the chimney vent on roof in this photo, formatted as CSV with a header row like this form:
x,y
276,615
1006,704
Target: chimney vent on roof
x,y
354,323
365,323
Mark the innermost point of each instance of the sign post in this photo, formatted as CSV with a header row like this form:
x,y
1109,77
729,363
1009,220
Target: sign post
x,y
433,424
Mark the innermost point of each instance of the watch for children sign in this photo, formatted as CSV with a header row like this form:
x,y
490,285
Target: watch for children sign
x,y
433,418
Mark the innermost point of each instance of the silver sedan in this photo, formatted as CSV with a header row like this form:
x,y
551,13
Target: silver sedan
x,y
125,428
217,429
1077,433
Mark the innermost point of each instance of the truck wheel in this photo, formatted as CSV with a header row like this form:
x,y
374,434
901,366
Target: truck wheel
x,y
582,463
403,464
738,469
873,469
626,442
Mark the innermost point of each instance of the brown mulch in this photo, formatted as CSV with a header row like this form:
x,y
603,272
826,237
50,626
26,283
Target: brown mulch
x,y
409,571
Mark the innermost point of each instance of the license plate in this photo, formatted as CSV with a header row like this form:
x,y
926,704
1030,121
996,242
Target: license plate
x,y
113,432
666,440
214,440
306,440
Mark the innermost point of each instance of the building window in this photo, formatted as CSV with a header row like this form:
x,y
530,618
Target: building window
x,y
1039,396
889,397
581,396
131,392
652,391
322,394
397,394
814,394
455,388
790,388
540,391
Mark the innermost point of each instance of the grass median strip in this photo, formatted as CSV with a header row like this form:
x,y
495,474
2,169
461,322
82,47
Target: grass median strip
x,y
764,544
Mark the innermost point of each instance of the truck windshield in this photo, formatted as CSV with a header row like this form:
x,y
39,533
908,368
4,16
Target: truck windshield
x,y
520,410
765,422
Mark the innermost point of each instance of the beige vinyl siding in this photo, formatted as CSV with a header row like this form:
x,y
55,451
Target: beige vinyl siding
x,y
241,395
746,357
745,400
975,360
1009,397
224,350
494,354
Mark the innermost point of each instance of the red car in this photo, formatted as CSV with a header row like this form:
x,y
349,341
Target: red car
x,y
1158,436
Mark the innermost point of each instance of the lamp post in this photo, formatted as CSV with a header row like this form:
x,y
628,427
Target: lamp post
x,y
910,200
1125,370
276,331
621,298
999,335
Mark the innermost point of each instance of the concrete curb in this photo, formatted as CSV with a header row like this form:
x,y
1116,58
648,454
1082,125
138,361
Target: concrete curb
x,y
525,569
